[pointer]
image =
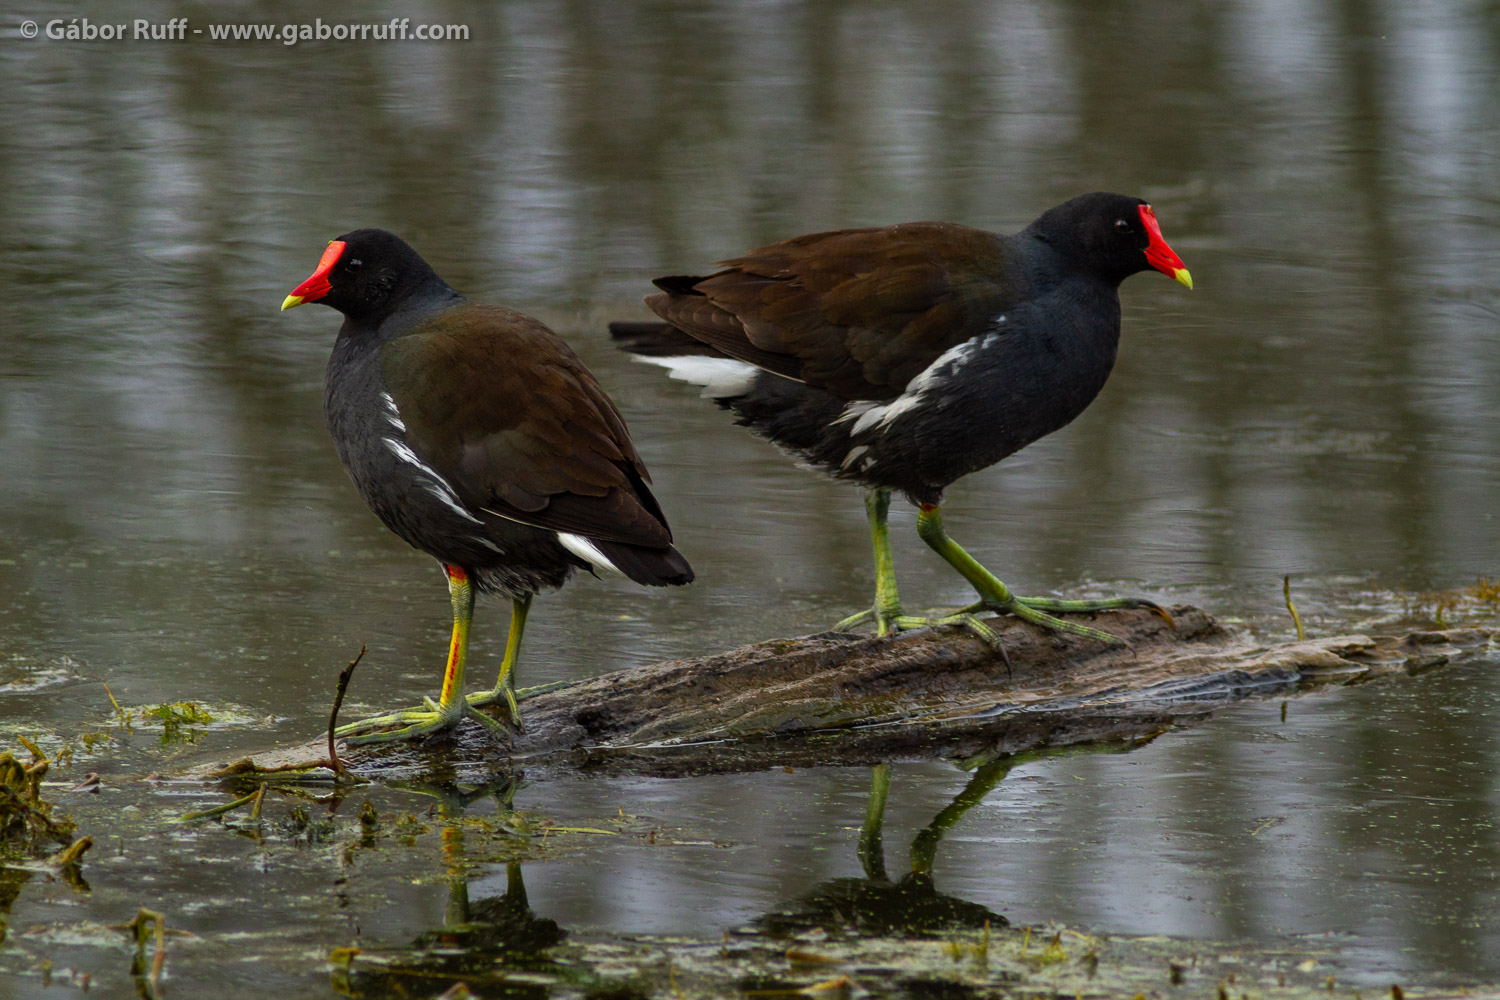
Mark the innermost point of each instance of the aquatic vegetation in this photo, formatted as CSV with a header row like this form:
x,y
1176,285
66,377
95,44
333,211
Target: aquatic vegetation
x,y
27,821
1477,603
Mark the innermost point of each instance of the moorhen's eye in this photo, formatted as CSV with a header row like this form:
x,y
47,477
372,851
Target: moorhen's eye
x,y
355,265
1122,225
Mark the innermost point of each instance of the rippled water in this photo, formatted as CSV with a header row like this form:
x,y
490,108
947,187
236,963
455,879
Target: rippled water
x,y
175,524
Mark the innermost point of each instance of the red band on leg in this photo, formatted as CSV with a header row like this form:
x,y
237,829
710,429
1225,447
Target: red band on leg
x,y
455,573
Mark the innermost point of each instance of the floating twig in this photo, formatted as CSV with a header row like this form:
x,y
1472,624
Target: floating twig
x,y
247,768
90,783
220,810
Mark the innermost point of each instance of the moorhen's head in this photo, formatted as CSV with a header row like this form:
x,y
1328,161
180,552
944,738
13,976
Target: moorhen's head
x,y
1111,235
365,275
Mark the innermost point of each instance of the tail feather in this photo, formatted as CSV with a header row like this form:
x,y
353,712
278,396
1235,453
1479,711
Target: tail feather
x,y
686,359
652,567
659,340
680,284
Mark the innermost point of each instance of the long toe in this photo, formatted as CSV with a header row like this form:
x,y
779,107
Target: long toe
x,y
1024,609
429,723
383,721
498,729
1030,613
855,620
414,722
500,694
1054,605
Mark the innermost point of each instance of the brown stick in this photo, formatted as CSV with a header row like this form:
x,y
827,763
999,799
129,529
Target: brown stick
x,y
333,717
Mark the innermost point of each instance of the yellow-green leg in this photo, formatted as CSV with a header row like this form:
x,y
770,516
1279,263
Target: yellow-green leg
x,y
886,612
925,844
871,850
996,596
504,688
451,705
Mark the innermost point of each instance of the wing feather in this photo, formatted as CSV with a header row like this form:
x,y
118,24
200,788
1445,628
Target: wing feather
x,y
520,428
858,312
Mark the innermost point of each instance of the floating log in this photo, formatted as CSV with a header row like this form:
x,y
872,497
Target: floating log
x,y
832,698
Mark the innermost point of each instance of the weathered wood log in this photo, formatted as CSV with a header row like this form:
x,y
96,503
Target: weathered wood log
x,y
934,693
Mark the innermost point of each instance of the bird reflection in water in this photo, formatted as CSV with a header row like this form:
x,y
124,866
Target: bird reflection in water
x,y
483,943
910,905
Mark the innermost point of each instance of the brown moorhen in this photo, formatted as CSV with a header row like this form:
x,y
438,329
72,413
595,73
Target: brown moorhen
x,y
905,357
478,436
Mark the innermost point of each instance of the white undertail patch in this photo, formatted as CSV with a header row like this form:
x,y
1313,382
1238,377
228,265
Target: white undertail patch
x,y
587,551
720,377
434,483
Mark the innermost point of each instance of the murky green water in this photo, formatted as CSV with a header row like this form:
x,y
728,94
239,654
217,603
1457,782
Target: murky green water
x,y
174,523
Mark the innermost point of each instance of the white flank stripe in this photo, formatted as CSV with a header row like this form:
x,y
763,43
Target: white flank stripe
x,y
853,455
854,411
585,550
394,414
944,367
882,415
436,484
720,377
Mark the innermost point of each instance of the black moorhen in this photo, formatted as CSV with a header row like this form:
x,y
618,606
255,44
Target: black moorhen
x,y
905,357
478,436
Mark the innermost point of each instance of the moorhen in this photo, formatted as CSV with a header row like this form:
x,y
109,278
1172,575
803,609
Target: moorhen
x,y
907,356
478,436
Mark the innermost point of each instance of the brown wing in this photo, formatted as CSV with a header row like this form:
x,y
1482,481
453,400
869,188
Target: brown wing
x,y
859,312
520,428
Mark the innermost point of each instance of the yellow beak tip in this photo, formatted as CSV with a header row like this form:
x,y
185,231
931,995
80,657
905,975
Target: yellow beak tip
x,y
297,300
1181,275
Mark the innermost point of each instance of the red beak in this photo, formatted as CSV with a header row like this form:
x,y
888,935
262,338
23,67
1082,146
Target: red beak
x,y
317,286
1158,254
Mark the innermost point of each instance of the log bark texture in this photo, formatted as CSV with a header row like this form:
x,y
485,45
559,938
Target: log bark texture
x,y
935,693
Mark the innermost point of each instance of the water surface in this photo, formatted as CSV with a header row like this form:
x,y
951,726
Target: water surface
x,y
174,522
